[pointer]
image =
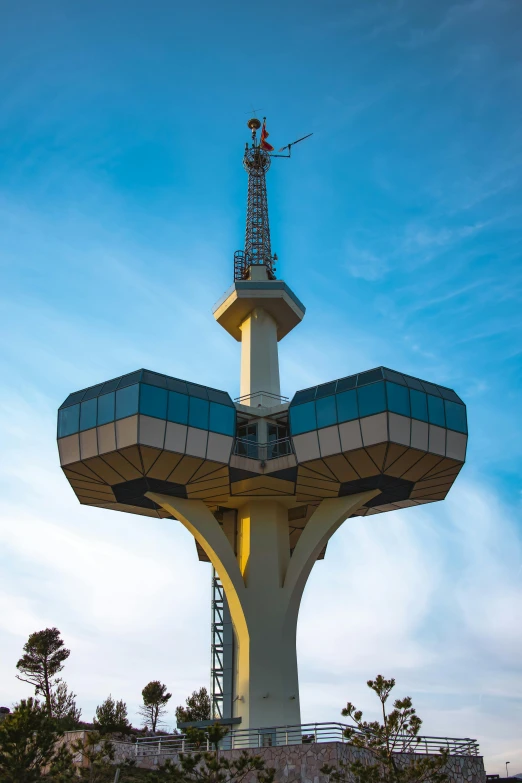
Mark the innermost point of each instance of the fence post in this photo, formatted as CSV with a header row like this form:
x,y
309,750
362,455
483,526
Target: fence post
x,y
159,747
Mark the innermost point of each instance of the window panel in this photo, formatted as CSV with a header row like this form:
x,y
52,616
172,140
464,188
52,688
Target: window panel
x,y
73,398
129,380
326,411
88,414
153,401
369,377
178,408
222,418
195,390
106,408
455,416
326,389
198,412
127,401
347,409
398,399
305,395
431,388
154,379
219,396
92,392
346,383
68,421
248,432
396,377
414,383
372,399
302,418
174,384
436,411
419,405
110,386
449,394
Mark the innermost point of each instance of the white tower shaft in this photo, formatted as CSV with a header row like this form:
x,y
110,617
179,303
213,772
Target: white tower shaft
x,y
259,384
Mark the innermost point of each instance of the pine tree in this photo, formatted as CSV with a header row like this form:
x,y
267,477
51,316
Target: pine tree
x,y
63,707
155,697
111,717
43,658
390,744
197,707
28,745
212,768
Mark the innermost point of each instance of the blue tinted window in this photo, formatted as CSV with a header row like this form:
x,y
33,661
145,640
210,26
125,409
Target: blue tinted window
x,y
346,383
371,399
305,395
110,386
218,396
302,418
195,390
174,384
455,416
155,379
68,420
369,377
106,408
153,401
88,414
396,377
73,398
449,394
398,399
436,410
431,389
222,418
198,413
326,389
127,401
419,406
178,407
347,406
92,392
414,383
129,380
326,413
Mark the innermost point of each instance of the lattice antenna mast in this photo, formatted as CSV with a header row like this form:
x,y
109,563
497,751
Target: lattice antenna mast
x,y
258,249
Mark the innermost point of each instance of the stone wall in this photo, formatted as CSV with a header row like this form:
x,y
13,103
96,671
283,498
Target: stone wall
x,y
302,763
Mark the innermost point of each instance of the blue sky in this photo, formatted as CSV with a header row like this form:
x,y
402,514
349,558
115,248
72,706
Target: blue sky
x,y
398,224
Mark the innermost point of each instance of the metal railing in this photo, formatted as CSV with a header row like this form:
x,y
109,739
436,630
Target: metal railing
x,y
263,451
299,735
273,399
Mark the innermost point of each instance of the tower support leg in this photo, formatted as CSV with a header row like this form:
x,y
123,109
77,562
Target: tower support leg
x,y
264,585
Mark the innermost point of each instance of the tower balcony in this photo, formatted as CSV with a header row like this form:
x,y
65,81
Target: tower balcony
x,y
274,296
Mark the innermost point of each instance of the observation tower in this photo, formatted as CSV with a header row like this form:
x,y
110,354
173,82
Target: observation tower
x,y
262,483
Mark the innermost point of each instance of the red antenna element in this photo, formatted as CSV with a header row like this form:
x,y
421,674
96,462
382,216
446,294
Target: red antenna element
x,y
264,136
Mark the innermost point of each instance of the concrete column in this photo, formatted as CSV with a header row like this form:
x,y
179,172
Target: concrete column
x,y
259,358
264,585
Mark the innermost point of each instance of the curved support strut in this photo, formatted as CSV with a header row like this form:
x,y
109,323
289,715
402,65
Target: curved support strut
x,y
264,584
